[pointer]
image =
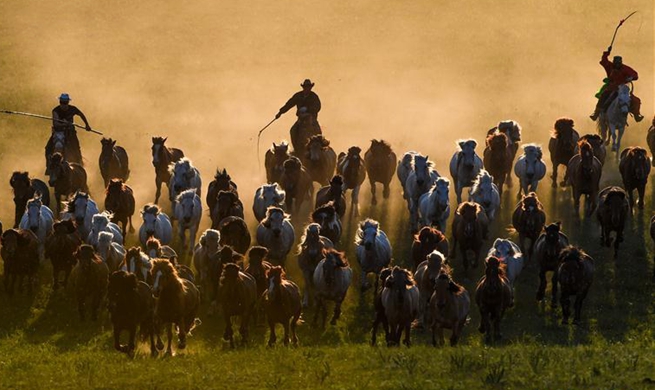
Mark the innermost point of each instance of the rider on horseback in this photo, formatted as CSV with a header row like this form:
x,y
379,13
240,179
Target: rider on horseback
x,y
304,99
62,121
617,74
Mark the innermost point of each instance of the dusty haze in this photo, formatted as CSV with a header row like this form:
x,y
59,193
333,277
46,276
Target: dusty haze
x,y
210,74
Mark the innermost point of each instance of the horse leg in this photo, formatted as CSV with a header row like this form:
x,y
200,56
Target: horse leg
x,y
497,317
117,340
408,327
96,304
192,238
169,334
355,200
180,233
132,342
285,324
319,302
364,282
565,301
158,186
386,191
294,322
55,278
458,191
181,334
578,306
323,314
80,306
374,200
337,313
541,291
129,220
554,280
641,189
554,175
228,335
305,298
593,202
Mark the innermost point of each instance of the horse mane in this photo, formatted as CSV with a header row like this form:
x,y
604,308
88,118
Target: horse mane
x,y
276,270
324,142
164,265
585,147
305,235
535,147
19,176
182,161
326,208
591,137
221,173
572,252
382,144
407,273
494,262
151,208
291,163
341,260
210,234
57,158
354,150
86,250
483,178
461,142
532,195
259,252
496,138
367,223
562,125
114,183
465,205
103,215
274,209
186,194
152,243
284,143
158,140
337,180
434,232
452,286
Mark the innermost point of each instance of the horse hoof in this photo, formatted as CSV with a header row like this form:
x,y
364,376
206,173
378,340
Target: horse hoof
x,y
160,345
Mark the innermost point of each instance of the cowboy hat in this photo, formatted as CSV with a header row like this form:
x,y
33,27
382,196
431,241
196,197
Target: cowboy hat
x,y
307,83
64,97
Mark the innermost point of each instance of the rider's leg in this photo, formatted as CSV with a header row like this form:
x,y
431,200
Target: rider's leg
x,y
635,105
600,104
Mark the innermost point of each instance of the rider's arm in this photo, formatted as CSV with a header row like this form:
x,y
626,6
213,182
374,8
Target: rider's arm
x,y
630,73
81,115
318,104
290,103
55,118
605,62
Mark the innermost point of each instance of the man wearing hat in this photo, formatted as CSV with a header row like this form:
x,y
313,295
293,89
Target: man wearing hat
x,y
617,74
62,120
306,99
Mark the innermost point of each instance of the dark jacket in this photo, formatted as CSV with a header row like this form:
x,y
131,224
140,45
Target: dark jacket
x,y
311,102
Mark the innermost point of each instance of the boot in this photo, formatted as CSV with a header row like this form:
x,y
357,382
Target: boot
x,y
638,117
594,116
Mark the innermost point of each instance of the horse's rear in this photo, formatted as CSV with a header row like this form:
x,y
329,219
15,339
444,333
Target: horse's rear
x,y
612,213
634,165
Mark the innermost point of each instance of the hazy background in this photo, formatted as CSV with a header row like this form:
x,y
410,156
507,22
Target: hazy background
x,y
210,74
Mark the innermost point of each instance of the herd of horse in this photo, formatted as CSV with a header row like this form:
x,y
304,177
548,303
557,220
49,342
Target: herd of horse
x,y
151,287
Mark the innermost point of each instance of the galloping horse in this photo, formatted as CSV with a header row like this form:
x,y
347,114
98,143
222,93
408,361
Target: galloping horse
x,y
162,158
615,118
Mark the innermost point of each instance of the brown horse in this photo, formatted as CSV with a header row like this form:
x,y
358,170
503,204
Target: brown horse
x,y
89,280
227,204
282,305
562,146
66,178
450,304
60,248
380,315
425,276
400,299
427,240
380,162
20,255
583,173
576,273
597,143
257,268
113,161
319,159
310,252
612,213
24,189
237,292
493,295
497,158
296,183
652,233
334,193
326,216
162,158
529,219
470,228
305,127
274,161
351,167
119,200
546,250
177,302
222,182
234,232
634,166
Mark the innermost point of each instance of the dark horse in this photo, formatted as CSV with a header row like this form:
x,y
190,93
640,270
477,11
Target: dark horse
x,y
576,273
227,204
562,146
119,201
162,157
66,178
24,190
351,167
274,161
301,131
427,240
234,232
222,182
470,229
333,193
380,162
297,184
113,161
20,255
319,159
635,168
612,212
497,158
529,219
60,248
65,142
493,295
583,173
546,250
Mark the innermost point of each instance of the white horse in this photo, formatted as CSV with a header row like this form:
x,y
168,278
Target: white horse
x,y
112,253
39,219
332,278
419,181
266,196
155,224
485,193
81,208
530,169
275,233
510,254
101,222
184,176
373,251
465,165
615,118
188,211
434,205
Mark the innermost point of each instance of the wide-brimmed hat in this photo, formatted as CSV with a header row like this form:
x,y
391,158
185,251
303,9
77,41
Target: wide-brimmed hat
x,y
64,97
307,83
618,59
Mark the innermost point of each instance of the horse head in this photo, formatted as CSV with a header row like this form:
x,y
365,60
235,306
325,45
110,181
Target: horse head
x,y
497,141
367,234
533,155
272,194
164,275
571,271
469,213
210,240
315,146
552,238
20,182
467,154
587,158
436,264
274,276
422,169
33,210
380,148
58,168
333,260
186,205
149,214
59,141
325,215
615,202
399,281
158,146
623,99
114,190
443,288
104,244
274,221
256,255
503,249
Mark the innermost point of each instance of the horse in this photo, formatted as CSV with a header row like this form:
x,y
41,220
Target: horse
x,y
282,305
301,132
583,172
380,163
351,168
131,305
530,169
20,255
576,273
425,276
335,193
188,211
60,248
222,182
597,143
227,204
274,161
203,254
373,251
257,267
512,131
162,158
485,193
81,208
113,161
434,205
497,158
65,178
110,252
426,241
465,166
528,220
450,304
546,250
404,168
493,295
470,228
25,188
422,178
59,143
320,160
177,302
310,252
296,183
155,224
400,299
650,140
234,232
332,278
652,234
101,222
326,216
39,219
634,165
615,117
266,196
275,232
612,213
380,315
156,250
184,176
509,254
138,263
119,201
237,292
562,146
89,280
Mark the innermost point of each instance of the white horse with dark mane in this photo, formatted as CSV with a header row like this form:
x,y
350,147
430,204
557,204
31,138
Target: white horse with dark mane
x,y
266,196
615,118
101,222
112,253
184,176
530,169
39,219
434,205
81,208
373,251
155,224
485,193
465,166
509,254
188,211
275,233
419,181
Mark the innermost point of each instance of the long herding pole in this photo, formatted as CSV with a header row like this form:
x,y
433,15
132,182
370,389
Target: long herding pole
x,y
620,24
49,118
258,136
